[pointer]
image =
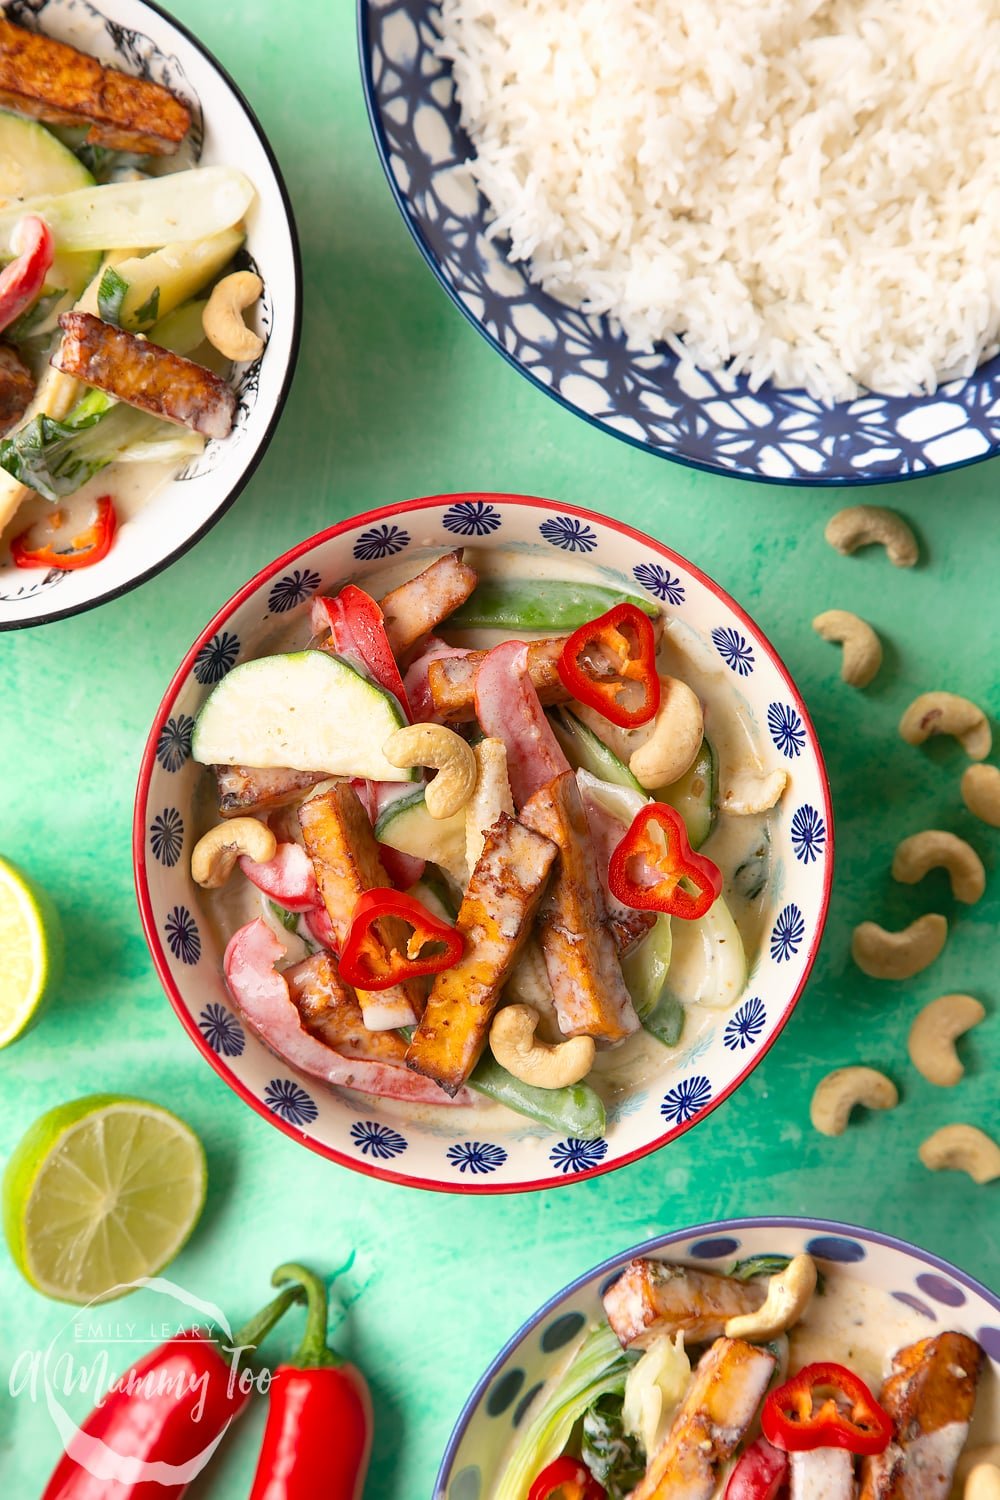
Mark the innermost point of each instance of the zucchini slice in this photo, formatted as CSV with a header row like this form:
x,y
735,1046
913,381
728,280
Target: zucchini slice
x,y
694,796
34,163
406,825
301,711
586,751
708,965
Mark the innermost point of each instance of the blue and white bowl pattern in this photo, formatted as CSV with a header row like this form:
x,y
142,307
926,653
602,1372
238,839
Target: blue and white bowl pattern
x,y
386,1138
652,400
939,1292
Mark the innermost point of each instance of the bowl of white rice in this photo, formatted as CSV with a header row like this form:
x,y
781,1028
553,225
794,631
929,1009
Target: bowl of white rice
x,y
754,236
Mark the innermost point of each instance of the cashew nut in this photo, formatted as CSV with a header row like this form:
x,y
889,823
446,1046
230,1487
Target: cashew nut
x,y
862,647
678,730
982,1483
754,794
947,713
222,319
215,854
980,788
898,955
933,1035
971,1458
861,525
837,1094
515,1046
963,1148
435,746
935,849
787,1298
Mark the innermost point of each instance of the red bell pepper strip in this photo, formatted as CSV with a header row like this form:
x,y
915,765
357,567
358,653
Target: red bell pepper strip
x,y
760,1473
21,281
825,1406
363,962
566,1479
603,659
508,709
318,1437
288,878
90,546
264,1001
654,857
357,632
163,1417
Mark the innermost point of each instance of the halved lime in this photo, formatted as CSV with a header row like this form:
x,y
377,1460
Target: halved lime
x,y
100,1192
31,944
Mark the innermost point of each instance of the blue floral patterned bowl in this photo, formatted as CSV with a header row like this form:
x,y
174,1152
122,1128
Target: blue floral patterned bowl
x,y
707,421
385,1139
941,1296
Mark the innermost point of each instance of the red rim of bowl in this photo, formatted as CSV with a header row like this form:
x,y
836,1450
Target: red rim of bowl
x,y
148,763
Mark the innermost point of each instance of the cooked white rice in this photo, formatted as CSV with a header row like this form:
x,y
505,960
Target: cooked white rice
x,y
805,191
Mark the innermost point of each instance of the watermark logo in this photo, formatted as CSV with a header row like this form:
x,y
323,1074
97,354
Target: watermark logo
x,y
177,1355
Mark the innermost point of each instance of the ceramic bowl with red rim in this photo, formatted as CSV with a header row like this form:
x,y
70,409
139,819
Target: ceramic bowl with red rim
x,y
786,875
898,1292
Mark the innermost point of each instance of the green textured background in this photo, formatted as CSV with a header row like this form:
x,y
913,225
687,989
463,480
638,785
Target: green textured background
x,y
397,396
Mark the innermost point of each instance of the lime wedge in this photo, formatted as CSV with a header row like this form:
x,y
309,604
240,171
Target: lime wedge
x,y
31,944
100,1192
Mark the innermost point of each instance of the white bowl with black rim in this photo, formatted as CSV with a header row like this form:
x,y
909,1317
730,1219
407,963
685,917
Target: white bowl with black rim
x,y
427,1148
139,38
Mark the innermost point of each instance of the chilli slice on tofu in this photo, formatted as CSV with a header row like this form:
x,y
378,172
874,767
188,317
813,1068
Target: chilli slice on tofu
x,y
117,333
705,1385
417,813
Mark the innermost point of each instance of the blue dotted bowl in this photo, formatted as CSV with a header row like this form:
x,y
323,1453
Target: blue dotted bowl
x,y
941,1296
706,421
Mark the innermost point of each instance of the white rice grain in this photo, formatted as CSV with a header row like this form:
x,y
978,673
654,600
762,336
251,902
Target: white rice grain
x,y
803,191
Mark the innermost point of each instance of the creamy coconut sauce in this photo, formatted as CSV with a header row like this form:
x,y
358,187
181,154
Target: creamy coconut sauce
x,y
738,845
858,1325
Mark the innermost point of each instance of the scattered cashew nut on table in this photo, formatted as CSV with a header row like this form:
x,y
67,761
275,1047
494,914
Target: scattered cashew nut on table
x,y
222,319
862,525
754,794
982,1483
936,849
948,713
548,1066
882,954
934,1033
836,1095
452,757
214,856
678,731
788,1296
962,1148
862,647
980,789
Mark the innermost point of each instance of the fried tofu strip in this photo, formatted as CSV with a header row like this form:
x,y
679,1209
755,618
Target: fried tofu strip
x,y
651,1298
495,919
341,844
245,791
930,1395
329,1010
17,386
581,955
61,86
421,603
143,374
452,679
728,1385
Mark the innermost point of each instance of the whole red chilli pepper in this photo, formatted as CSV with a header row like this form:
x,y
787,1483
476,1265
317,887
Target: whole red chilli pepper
x,y
165,1414
318,1437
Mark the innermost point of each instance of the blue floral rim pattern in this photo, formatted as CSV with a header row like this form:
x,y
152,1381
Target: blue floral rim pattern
x,y
652,401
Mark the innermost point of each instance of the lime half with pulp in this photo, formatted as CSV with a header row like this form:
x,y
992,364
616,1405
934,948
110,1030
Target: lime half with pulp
x,y
100,1192
32,946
